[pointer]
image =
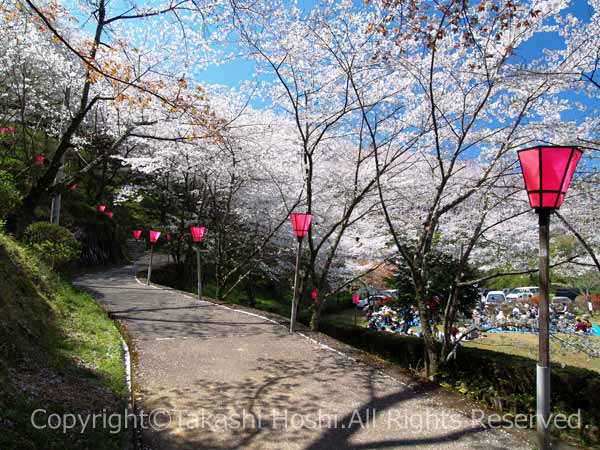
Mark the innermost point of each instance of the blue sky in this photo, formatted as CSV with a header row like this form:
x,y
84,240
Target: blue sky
x,y
235,72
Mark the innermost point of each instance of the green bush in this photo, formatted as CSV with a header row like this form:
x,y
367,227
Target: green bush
x,y
55,245
508,383
9,195
406,351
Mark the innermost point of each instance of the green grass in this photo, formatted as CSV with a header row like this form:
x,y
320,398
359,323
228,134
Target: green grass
x,y
526,345
59,352
89,335
508,343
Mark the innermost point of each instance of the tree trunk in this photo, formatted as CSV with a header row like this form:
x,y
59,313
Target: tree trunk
x,y
449,317
432,355
315,317
23,216
431,344
250,291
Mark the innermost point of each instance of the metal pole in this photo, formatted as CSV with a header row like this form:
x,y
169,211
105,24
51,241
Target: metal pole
x,y
150,265
198,273
57,197
543,367
295,296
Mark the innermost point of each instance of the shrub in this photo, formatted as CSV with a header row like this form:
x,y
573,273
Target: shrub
x,y
508,383
9,196
406,351
55,245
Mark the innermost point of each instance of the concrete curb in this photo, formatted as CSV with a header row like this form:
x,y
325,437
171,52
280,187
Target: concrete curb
x,y
130,444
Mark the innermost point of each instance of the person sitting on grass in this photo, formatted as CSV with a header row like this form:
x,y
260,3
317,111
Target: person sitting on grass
x,y
454,334
534,313
588,325
580,327
516,313
500,317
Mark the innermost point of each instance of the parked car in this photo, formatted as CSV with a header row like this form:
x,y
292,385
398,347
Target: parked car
x,y
391,293
362,303
494,298
483,292
375,300
569,292
379,300
522,293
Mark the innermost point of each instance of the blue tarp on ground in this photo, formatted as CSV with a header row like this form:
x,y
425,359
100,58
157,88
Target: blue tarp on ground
x,y
595,331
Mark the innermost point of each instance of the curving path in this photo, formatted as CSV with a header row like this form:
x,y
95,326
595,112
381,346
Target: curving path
x,y
218,378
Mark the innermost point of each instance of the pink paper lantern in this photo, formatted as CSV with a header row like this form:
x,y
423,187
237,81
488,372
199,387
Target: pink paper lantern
x,y
39,160
355,299
109,214
548,172
137,234
101,208
300,223
314,294
197,234
154,236
73,186
11,129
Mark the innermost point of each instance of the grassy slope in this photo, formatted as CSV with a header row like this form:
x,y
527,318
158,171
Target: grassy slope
x,y
58,351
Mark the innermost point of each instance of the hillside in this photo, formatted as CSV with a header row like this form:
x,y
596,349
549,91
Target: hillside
x,y
59,352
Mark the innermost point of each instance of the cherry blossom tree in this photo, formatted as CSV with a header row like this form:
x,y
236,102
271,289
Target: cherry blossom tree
x,y
483,104
100,81
319,77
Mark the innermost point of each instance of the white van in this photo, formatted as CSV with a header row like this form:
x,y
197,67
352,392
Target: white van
x,y
494,298
522,293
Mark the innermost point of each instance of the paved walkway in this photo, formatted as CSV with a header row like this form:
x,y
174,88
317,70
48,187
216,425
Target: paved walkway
x,y
223,379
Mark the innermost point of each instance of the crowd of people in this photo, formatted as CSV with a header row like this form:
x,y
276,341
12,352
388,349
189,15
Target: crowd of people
x,y
393,320
524,318
521,318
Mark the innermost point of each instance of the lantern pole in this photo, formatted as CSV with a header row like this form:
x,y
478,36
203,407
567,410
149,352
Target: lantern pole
x,y
295,296
534,167
150,265
543,366
198,271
